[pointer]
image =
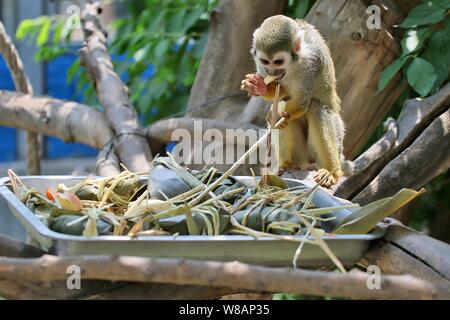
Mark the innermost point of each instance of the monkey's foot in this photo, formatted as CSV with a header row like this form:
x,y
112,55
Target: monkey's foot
x,y
324,178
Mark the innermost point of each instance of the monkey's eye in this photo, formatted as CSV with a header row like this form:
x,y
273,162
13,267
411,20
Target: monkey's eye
x,y
264,61
278,62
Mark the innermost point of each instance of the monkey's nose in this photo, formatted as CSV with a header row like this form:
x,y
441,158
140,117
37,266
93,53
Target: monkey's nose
x,y
275,72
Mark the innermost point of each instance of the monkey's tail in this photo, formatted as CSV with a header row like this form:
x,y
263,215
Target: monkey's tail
x,y
348,167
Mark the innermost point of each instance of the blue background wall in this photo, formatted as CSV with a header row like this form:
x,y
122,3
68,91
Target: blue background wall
x,y
8,146
56,85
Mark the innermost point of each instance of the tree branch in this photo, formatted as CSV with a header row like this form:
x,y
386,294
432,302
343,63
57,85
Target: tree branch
x,y
132,148
69,121
416,116
427,157
107,161
22,84
221,274
406,251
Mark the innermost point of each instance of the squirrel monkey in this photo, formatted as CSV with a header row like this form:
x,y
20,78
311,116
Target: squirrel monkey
x,y
296,54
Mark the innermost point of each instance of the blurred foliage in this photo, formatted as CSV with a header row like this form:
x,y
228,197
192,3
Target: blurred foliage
x,y
298,9
436,201
156,48
425,61
425,57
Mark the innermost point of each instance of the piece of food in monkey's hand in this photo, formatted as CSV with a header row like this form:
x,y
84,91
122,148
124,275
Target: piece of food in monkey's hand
x,y
270,79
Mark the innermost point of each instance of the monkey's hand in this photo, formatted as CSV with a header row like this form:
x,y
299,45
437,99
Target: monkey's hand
x,y
289,116
254,84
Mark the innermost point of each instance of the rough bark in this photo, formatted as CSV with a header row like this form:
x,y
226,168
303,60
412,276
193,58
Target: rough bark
x,y
425,159
69,121
107,161
234,275
130,142
406,251
22,84
227,57
107,290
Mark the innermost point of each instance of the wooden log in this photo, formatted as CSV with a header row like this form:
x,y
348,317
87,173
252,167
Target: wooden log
x,y
406,251
234,275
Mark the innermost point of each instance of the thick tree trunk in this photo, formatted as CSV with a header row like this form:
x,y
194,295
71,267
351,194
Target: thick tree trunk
x,y
227,57
360,55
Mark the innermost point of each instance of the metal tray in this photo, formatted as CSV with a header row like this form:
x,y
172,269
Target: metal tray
x,y
265,251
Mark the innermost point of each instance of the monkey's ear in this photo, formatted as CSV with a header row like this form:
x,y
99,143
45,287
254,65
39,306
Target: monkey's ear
x,y
297,44
253,51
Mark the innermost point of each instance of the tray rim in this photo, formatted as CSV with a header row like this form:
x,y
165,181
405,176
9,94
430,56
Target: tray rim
x,y
30,221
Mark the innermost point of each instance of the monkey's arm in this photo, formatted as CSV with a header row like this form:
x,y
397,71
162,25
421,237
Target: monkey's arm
x,y
295,115
312,64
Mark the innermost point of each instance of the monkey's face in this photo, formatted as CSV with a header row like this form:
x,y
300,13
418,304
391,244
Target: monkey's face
x,y
274,65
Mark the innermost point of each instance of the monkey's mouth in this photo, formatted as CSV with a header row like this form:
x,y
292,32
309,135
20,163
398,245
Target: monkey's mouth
x,y
280,74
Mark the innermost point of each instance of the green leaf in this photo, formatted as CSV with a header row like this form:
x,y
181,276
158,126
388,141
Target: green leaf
x,y
44,33
436,52
73,69
389,73
364,219
413,39
58,32
424,14
442,3
192,17
175,22
302,9
25,28
421,76
161,48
